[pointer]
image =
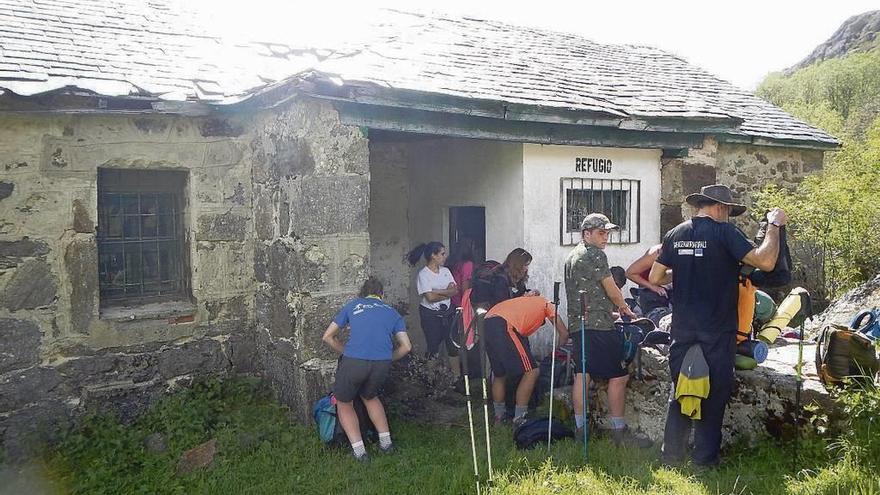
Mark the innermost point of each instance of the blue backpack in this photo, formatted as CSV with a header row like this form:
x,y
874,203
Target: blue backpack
x,y
870,328
324,413
330,431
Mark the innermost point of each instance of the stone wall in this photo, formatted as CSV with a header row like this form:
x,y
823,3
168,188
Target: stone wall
x,y
311,199
762,404
745,168
61,350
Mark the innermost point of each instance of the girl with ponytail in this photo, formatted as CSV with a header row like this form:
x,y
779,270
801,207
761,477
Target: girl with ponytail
x,y
435,286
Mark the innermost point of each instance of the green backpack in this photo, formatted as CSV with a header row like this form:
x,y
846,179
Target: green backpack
x,y
842,353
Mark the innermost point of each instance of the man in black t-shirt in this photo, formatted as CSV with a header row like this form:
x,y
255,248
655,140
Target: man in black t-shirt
x,y
702,258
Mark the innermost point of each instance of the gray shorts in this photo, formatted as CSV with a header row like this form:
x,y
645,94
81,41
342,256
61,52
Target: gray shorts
x,y
359,377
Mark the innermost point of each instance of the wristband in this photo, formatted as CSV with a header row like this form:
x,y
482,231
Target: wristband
x,y
777,225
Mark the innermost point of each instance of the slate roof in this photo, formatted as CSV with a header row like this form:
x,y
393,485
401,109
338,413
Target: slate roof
x,y
160,49
134,48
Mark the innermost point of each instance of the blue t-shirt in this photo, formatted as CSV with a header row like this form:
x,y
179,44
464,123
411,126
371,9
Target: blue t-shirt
x,y
373,325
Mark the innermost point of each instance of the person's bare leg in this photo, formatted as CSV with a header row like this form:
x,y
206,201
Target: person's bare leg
x,y
351,426
617,396
376,412
499,390
525,388
577,398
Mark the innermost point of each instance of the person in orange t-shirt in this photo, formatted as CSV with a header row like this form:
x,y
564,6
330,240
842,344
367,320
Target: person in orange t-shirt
x,y
507,329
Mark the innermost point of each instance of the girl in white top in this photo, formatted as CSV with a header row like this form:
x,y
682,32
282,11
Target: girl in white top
x,y
435,285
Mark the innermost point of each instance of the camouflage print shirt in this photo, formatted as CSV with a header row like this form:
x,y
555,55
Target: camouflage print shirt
x,y
584,270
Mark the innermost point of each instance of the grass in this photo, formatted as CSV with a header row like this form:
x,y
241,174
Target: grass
x,y
261,451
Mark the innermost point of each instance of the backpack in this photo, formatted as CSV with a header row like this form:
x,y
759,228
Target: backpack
x,y
842,353
871,328
330,430
534,432
780,276
563,373
482,282
324,414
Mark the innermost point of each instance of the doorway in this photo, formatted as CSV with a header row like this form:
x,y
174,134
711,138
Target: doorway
x,y
469,222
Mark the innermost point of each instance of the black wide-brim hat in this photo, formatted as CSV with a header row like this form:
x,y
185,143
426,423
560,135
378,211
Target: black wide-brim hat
x,y
718,193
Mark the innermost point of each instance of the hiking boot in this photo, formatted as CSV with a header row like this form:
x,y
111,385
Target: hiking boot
x,y
517,422
699,467
502,420
671,462
624,437
390,449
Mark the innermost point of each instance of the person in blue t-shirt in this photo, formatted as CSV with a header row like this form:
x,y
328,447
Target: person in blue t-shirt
x,y
365,361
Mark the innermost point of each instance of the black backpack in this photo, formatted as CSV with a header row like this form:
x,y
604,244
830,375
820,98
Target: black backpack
x,y
780,276
534,432
482,283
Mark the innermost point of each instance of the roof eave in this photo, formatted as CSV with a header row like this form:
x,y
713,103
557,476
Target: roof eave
x,y
780,142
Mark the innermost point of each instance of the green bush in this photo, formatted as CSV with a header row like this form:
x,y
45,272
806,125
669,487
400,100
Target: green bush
x,y
835,215
859,442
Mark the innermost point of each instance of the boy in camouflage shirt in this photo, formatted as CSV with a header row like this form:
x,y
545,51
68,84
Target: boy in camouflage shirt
x,y
587,271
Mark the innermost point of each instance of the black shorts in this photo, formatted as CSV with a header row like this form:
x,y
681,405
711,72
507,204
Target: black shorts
x,y
509,352
359,377
604,349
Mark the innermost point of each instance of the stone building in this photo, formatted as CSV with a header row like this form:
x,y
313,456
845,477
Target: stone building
x,y
174,205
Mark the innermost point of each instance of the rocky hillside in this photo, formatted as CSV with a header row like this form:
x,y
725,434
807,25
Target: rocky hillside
x,y
858,33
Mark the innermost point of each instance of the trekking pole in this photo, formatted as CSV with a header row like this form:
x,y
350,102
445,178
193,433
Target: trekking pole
x,y
478,334
585,398
553,363
462,354
807,308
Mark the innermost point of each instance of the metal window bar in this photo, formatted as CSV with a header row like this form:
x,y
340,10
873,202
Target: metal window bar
x,y
619,199
124,257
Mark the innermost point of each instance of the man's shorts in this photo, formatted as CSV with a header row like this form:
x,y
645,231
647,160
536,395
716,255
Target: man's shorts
x,y
359,377
509,352
604,349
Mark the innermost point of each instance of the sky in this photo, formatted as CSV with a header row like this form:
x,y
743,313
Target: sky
x,y
740,42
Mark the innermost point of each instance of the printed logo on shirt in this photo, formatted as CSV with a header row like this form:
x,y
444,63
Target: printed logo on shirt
x,y
361,307
690,244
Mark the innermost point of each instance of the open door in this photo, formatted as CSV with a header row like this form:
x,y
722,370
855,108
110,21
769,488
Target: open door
x,y
469,222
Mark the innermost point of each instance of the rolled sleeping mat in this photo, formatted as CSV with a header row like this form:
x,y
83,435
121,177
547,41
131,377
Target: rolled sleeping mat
x,y
741,362
754,349
787,311
765,307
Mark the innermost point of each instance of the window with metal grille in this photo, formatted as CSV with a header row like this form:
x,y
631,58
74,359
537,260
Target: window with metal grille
x,y
141,255
618,199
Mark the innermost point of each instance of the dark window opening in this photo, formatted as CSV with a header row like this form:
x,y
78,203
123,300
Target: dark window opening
x,y
618,199
141,255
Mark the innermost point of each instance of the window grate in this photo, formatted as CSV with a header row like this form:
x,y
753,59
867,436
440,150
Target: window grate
x,y
618,199
140,245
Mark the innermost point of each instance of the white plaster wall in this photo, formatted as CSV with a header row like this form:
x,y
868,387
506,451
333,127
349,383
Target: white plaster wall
x,y
465,172
543,167
440,173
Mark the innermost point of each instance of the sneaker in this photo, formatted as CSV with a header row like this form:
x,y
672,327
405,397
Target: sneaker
x,y
390,449
363,459
517,422
502,420
627,438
